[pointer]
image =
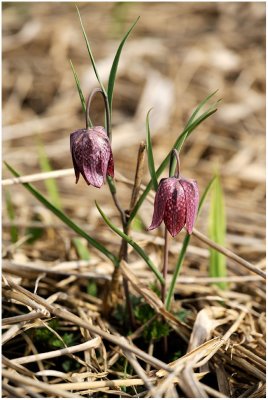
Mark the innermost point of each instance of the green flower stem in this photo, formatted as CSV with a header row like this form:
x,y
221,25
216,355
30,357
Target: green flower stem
x,y
135,246
177,271
107,110
165,267
184,249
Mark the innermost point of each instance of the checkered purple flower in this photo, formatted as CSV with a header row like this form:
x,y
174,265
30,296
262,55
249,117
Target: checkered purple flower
x,y
92,155
176,202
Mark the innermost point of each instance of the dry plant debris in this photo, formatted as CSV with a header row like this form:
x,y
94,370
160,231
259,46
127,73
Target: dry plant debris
x,y
56,341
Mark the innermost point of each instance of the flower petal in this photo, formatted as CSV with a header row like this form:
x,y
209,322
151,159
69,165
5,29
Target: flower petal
x,y
163,193
175,210
76,151
192,199
110,168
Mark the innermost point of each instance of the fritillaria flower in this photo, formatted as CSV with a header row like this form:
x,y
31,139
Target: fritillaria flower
x,y
176,203
92,155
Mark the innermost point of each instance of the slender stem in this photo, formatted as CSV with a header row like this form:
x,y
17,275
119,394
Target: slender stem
x,y
175,154
163,286
138,176
116,201
107,110
165,266
177,271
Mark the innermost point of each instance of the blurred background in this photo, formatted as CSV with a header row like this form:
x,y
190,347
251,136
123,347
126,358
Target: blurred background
x,y
177,54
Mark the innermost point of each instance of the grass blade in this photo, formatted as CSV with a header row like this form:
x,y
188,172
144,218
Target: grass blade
x,y
66,220
50,183
135,246
217,232
177,145
113,71
90,53
82,98
198,108
183,251
150,154
11,215
81,249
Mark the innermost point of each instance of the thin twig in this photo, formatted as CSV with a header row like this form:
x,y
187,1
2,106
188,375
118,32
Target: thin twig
x,y
140,371
90,344
138,176
228,253
45,387
38,177
20,318
102,384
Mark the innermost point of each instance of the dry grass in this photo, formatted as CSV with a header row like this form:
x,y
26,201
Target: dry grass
x,y
177,54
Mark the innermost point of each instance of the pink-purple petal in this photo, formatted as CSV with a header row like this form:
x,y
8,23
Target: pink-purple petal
x,y
76,139
175,210
162,195
192,199
159,206
110,168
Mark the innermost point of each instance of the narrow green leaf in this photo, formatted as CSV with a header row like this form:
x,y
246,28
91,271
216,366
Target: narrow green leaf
x,y
11,215
177,145
198,108
51,184
150,153
217,232
113,71
66,220
183,251
81,249
90,53
132,243
80,92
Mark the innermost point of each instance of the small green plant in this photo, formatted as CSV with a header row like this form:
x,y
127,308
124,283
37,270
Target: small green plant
x,y
47,339
156,329
176,201
217,232
51,184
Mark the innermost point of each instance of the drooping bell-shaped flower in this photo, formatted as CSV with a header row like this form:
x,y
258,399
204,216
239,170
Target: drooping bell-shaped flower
x,y
92,155
176,203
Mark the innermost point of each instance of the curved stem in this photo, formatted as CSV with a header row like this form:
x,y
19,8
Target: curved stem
x,y
175,154
107,110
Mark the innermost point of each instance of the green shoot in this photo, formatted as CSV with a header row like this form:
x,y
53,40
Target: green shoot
x,y
217,233
81,249
51,185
